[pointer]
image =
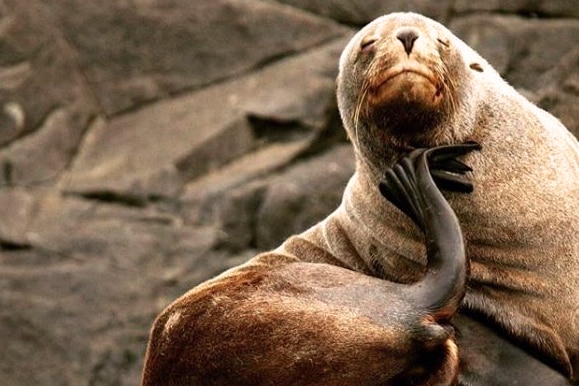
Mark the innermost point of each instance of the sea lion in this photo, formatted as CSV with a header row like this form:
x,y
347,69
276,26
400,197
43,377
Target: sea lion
x,y
280,320
407,82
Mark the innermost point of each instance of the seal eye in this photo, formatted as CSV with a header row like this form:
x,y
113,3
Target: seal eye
x,y
367,42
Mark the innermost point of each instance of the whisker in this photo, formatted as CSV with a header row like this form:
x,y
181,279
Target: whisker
x,y
359,104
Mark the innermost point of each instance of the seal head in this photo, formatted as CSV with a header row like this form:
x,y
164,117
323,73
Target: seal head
x,y
402,79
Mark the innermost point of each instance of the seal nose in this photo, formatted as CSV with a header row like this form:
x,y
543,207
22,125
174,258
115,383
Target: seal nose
x,y
407,36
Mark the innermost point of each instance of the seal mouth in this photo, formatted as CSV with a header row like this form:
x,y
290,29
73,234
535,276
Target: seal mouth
x,y
419,71
405,102
402,70
412,82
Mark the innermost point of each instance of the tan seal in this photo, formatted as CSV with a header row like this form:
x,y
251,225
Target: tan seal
x,y
521,224
406,82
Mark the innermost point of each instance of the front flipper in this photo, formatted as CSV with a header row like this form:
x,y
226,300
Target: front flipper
x,y
401,184
411,185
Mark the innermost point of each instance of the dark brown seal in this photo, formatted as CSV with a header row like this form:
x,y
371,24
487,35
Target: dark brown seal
x,y
283,319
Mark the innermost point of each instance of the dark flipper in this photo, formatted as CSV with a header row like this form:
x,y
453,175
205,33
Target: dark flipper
x,y
447,172
411,185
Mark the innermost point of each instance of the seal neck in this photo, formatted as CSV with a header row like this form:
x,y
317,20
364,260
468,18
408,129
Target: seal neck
x,y
385,239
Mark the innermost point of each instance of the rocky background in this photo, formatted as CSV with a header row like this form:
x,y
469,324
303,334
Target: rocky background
x,y
147,145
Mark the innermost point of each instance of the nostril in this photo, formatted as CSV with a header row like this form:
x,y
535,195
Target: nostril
x,y
407,36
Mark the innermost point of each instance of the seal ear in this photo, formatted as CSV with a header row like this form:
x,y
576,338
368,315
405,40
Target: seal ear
x,y
476,66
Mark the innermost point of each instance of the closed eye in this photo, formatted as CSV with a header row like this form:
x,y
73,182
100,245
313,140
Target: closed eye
x,y
367,42
444,42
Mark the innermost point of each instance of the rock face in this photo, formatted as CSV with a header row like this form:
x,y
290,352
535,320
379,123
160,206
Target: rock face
x,y
147,146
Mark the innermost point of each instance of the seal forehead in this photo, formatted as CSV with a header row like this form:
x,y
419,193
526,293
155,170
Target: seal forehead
x,y
405,18
386,25
397,19
393,21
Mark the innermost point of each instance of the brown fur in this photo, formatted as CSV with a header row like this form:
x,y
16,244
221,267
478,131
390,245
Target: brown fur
x,y
280,321
521,225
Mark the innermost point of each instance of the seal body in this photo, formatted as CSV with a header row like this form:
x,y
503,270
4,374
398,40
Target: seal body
x,y
522,221
405,82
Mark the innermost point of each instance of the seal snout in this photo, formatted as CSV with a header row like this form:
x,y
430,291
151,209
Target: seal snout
x,y
407,37
403,67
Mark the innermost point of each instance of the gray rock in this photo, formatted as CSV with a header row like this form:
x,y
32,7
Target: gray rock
x,y
41,157
17,206
76,309
303,196
140,160
533,8
520,49
202,198
263,213
39,78
140,51
359,12
45,103
559,92
237,216
158,148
